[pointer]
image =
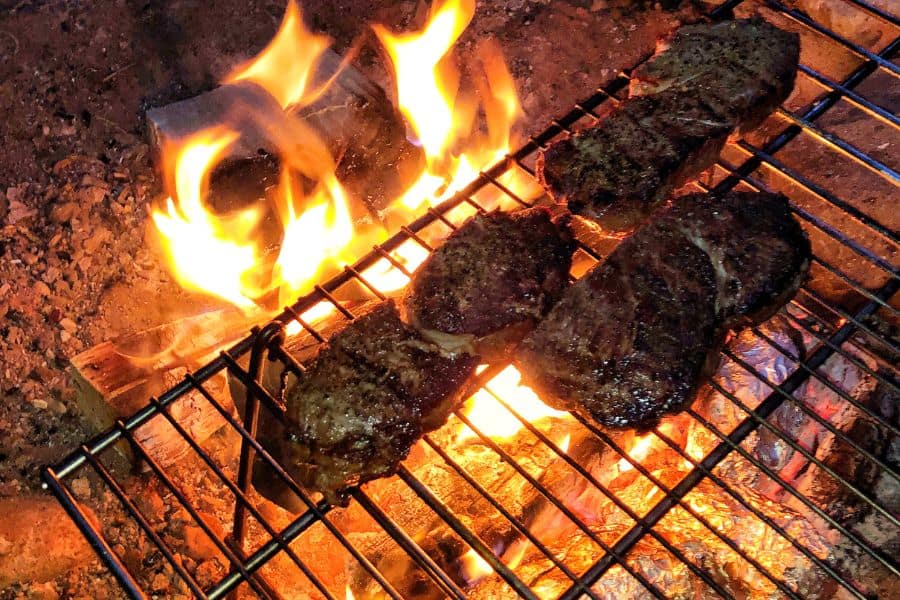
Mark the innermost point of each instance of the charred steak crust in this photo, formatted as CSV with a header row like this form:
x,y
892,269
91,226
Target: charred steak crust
x,y
497,270
707,82
634,338
369,394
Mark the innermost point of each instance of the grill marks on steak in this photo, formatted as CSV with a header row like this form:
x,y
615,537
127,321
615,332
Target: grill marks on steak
x,y
369,394
498,273
635,337
708,81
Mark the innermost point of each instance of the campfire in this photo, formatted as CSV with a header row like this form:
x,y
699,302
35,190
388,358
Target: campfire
x,y
752,492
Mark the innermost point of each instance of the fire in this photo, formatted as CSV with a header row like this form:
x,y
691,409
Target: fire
x,y
428,95
225,255
493,420
286,65
474,567
425,92
324,226
639,450
213,254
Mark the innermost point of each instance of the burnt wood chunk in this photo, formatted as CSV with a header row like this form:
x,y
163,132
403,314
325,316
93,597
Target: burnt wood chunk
x,y
635,337
497,275
704,84
354,117
369,394
113,382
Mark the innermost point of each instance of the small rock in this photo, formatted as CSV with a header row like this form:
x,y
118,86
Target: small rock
x,y
43,591
81,487
68,324
198,544
63,213
160,583
41,289
39,403
150,504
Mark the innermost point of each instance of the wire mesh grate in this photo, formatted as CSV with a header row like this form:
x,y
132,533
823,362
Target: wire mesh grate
x,y
853,249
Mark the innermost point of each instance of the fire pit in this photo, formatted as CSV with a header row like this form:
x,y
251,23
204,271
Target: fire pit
x,y
781,479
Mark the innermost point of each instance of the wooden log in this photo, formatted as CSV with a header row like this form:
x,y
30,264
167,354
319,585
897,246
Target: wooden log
x,y
116,378
354,117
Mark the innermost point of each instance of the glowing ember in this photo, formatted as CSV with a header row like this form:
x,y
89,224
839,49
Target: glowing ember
x,y
285,66
493,420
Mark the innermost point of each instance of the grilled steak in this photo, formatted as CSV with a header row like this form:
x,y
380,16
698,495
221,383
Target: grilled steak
x,y
634,338
369,394
744,68
685,102
492,279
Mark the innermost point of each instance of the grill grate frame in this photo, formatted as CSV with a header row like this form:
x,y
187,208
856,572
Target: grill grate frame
x,y
267,343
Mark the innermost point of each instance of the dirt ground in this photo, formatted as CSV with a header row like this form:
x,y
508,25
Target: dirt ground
x,y
75,176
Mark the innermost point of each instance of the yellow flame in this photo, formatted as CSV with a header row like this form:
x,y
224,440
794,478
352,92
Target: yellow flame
x,y
348,593
474,567
313,238
213,254
426,95
493,420
222,255
640,449
285,66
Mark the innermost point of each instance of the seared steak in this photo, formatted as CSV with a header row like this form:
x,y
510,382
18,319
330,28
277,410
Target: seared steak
x,y
708,81
369,394
635,337
745,68
493,278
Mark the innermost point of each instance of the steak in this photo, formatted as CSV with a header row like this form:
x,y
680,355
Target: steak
x,y
368,395
635,337
492,279
745,68
708,81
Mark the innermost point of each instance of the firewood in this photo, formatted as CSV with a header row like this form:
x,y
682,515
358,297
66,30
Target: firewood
x,y
354,118
116,378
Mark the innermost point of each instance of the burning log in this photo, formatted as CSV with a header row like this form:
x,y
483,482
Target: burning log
x,y
115,378
353,116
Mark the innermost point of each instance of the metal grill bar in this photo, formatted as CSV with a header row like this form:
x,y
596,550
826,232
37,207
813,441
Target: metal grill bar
x,y
245,569
746,427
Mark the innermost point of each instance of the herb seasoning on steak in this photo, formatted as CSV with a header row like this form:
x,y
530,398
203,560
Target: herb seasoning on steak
x,y
369,394
634,338
708,81
491,280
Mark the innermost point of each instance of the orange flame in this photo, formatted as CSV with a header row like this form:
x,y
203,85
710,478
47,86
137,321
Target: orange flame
x,y
286,65
223,255
474,568
213,255
493,420
428,95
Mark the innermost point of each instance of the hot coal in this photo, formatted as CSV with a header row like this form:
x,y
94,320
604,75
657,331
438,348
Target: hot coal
x,y
705,83
634,338
496,276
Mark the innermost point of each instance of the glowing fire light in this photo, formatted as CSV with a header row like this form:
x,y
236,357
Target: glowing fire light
x,y
474,567
639,450
428,95
493,420
285,66
222,255
325,227
212,254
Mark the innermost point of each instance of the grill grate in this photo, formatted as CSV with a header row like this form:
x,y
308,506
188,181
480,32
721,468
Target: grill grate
x,y
870,278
